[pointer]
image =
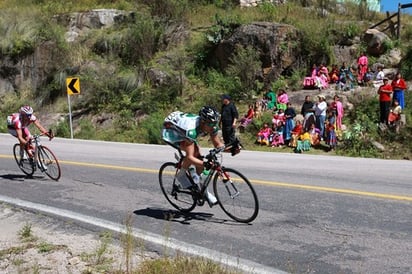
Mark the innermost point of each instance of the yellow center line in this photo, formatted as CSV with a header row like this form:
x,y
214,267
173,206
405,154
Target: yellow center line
x,y
335,190
260,182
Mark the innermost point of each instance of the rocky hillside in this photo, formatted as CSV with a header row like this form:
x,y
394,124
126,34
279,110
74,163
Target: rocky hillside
x,y
136,64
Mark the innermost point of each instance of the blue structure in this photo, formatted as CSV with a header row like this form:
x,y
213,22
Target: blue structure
x,y
373,5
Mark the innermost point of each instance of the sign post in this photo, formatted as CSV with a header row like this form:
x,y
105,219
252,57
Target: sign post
x,y
73,87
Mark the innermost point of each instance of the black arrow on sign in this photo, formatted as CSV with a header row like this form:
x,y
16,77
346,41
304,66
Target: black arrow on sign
x,y
71,85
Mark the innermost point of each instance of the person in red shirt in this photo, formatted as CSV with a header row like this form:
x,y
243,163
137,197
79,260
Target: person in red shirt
x,y
399,87
384,92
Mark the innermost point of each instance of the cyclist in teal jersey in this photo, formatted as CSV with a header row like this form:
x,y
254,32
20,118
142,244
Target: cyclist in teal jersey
x,y
181,131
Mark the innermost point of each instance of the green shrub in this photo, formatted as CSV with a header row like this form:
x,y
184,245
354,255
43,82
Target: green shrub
x,y
244,67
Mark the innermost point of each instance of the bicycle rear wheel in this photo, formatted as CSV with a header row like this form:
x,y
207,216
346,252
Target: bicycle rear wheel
x,y
236,196
179,198
48,163
26,165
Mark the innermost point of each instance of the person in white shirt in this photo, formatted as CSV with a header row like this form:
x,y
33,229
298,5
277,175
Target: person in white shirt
x,y
379,77
320,113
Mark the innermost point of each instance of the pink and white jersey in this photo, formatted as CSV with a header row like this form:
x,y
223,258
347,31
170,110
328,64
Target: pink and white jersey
x,y
14,121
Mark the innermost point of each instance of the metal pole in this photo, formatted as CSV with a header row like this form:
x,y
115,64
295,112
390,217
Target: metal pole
x,y
398,34
70,116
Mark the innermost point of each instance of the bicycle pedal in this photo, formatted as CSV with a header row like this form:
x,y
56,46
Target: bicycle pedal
x,y
200,202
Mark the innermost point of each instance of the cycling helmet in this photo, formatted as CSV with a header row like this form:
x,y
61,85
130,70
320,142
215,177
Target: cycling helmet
x,y
27,110
209,114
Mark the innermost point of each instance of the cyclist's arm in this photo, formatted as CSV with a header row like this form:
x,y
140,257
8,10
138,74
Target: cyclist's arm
x,y
216,140
192,153
40,127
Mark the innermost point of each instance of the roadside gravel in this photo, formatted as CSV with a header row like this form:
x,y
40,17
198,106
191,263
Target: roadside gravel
x,y
56,246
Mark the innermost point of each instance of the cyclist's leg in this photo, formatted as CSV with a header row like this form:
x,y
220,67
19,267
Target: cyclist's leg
x,y
193,149
27,136
181,176
13,132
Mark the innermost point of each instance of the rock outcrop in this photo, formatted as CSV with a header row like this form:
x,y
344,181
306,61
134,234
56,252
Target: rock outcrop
x,y
278,45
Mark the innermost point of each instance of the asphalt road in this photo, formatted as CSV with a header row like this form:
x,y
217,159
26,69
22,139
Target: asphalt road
x,y
318,214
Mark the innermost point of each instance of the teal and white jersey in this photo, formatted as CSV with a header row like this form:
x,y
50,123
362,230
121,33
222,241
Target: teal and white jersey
x,y
180,126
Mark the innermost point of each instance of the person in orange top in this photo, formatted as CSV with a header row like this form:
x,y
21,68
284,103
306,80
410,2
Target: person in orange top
x,y
399,87
384,92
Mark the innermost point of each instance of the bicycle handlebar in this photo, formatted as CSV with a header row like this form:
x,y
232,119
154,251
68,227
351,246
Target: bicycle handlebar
x,y
48,134
234,145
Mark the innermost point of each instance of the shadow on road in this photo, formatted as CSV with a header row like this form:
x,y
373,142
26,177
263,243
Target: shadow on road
x,y
19,177
180,217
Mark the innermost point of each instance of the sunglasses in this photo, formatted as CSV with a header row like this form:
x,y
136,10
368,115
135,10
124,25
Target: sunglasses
x,y
211,124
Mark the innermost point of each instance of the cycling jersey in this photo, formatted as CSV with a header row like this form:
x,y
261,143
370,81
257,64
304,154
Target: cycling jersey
x,y
179,126
14,121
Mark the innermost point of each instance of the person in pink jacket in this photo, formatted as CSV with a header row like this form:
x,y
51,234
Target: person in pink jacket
x,y
282,99
338,111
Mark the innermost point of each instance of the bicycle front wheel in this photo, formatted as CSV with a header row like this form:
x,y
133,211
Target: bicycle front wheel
x,y
236,195
24,163
48,163
178,197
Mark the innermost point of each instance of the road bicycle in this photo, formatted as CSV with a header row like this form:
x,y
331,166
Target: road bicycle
x,y
235,194
43,159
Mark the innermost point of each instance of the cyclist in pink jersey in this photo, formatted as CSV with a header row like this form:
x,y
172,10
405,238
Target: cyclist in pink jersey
x,y
18,126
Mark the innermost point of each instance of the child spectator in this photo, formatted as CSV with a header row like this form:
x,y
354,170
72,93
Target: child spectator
x,y
263,135
276,138
334,74
295,133
314,135
394,117
279,117
331,140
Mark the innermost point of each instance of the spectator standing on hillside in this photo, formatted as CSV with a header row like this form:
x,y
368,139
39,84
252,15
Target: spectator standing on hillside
x,y
320,114
379,77
384,91
228,119
307,111
399,86
362,66
289,123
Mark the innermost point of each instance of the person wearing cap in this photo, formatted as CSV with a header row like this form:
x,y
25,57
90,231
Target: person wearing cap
x,y
320,114
228,119
384,91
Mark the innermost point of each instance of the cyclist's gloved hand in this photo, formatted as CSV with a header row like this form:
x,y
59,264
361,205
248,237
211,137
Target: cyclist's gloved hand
x,y
49,134
207,163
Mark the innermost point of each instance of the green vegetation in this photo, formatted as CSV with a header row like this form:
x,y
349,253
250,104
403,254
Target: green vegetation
x,y
117,63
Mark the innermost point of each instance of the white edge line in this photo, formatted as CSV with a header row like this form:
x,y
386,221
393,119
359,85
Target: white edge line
x,y
219,257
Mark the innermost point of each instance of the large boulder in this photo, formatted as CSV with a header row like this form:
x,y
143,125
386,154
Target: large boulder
x,y
78,23
375,40
278,46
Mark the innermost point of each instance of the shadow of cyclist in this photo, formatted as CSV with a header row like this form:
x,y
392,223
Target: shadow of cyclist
x,y
181,217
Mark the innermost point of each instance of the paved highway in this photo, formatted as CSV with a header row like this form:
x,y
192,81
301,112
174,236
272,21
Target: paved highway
x,y
318,214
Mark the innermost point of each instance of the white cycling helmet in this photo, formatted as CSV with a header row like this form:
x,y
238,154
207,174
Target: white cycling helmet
x,y
27,110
